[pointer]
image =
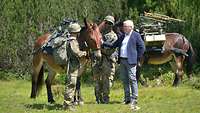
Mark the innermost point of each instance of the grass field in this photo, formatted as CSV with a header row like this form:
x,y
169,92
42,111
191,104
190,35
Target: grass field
x,y
14,98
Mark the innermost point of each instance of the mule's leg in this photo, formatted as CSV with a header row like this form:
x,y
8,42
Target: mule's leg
x,y
139,79
37,70
138,73
78,97
179,70
48,81
189,67
34,84
53,68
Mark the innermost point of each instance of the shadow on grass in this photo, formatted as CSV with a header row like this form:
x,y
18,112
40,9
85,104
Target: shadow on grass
x,y
111,102
115,102
59,106
44,106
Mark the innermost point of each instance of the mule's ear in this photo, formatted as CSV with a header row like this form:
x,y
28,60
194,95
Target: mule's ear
x,y
101,25
86,23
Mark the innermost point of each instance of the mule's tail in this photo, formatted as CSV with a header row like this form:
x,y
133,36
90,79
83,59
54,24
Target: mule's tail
x,y
37,82
190,59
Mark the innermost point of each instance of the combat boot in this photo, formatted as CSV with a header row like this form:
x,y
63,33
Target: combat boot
x,y
99,100
69,107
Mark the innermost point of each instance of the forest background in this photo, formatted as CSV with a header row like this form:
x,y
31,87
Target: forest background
x,y
22,21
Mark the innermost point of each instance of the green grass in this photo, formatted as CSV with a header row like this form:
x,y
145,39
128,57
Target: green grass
x,y
14,98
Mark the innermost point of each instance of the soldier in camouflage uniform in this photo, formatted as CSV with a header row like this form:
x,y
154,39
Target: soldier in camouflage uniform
x,y
104,70
75,58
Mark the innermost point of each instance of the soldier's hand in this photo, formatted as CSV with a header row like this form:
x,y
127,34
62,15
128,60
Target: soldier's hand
x,y
85,55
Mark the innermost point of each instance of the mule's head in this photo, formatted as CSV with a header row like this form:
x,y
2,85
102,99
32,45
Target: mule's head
x,y
92,36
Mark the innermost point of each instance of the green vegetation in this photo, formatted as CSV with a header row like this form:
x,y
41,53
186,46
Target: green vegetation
x,y
24,20
15,94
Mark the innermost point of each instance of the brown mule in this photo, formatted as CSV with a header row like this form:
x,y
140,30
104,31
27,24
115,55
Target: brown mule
x,y
176,47
89,35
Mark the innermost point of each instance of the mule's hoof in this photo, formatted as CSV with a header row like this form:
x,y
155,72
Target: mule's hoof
x,y
33,96
144,83
52,101
175,85
190,78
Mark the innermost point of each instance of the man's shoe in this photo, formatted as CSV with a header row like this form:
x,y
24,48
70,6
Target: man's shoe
x,y
127,102
134,107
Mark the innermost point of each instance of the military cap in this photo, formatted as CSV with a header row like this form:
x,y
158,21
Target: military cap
x,y
110,19
74,27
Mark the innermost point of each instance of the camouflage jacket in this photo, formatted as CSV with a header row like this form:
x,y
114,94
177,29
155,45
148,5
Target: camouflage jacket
x,y
110,38
74,46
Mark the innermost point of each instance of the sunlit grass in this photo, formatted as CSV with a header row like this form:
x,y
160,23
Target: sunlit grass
x,y
14,98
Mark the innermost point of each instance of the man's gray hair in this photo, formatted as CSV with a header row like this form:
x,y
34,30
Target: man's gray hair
x,y
129,23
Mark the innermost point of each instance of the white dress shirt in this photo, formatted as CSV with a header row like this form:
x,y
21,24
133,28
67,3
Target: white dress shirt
x,y
123,49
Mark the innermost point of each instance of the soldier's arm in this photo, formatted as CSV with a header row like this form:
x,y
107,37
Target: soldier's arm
x,y
114,45
75,48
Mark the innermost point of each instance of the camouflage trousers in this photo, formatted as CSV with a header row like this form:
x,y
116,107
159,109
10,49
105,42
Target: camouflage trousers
x,y
103,76
70,86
